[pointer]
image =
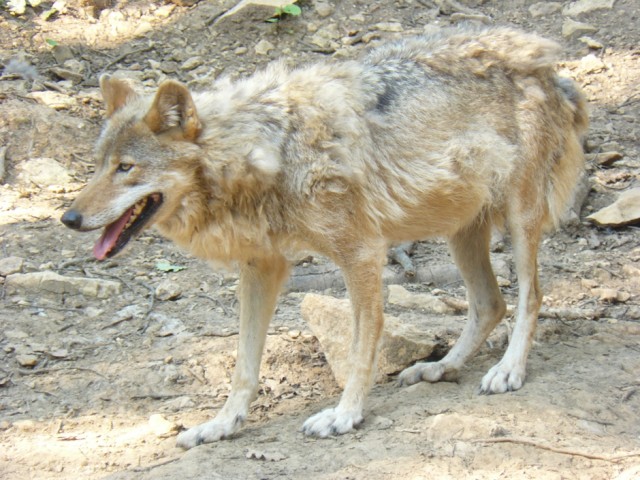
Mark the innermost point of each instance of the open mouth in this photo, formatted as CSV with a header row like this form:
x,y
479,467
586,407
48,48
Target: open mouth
x,y
117,234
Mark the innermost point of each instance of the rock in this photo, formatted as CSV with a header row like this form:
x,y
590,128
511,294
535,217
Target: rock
x,y
604,159
330,320
473,18
168,290
28,361
323,9
326,37
400,296
624,211
591,43
263,47
62,53
43,172
586,6
161,427
67,74
192,63
10,265
571,27
55,100
388,27
542,9
610,295
591,64
630,271
52,283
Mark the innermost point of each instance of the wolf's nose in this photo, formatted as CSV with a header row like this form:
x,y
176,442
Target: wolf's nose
x,y
72,219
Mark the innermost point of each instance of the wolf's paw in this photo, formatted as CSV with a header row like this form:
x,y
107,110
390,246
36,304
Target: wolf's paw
x,y
503,377
421,372
332,421
208,432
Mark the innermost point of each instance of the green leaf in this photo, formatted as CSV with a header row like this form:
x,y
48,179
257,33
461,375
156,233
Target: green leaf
x,y
167,267
52,42
292,9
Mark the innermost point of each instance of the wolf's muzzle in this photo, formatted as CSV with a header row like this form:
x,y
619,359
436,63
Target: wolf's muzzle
x,y
72,219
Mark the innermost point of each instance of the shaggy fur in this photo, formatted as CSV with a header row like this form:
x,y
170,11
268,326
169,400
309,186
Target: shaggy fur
x,y
443,135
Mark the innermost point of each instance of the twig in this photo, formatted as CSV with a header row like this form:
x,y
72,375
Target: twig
x,y
3,157
44,371
155,465
125,55
564,451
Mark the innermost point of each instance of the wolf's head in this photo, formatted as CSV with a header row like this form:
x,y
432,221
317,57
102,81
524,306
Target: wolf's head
x,y
142,163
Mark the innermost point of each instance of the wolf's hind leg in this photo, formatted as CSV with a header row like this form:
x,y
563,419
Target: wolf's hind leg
x,y
363,276
260,283
470,250
509,373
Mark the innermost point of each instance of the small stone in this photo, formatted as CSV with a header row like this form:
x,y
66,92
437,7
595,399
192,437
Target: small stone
x,y
55,100
591,64
591,43
624,211
62,53
398,295
571,27
588,283
161,427
10,265
323,9
241,50
28,360
586,6
192,63
388,27
168,290
610,295
473,18
542,9
263,47
51,283
604,159
164,11
631,271
294,333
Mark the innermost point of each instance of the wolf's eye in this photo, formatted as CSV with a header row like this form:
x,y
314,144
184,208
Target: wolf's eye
x,y
124,167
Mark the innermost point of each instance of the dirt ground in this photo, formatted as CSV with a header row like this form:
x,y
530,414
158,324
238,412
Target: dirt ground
x,y
97,387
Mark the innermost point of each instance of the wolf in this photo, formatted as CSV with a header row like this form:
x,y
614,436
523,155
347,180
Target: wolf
x,y
446,135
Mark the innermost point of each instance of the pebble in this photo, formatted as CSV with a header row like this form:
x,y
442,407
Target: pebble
x,y
586,6
10,265
27,360
168,290
591,43
161,427
192,63
324,9
263,47
542,9
55,100
571,27
388,27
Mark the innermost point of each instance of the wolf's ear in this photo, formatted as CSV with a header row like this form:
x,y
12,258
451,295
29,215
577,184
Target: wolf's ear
x,y
174,107
116,93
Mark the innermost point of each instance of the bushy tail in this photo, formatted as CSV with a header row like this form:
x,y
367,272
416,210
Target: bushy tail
x,y
510,50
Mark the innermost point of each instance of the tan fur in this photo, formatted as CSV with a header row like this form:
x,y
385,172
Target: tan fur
x,y
431,136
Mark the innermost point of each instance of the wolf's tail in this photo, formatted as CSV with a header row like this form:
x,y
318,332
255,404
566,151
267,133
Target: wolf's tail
x,y
507,49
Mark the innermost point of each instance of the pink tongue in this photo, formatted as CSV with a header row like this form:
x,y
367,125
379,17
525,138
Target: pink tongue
x,y
110,235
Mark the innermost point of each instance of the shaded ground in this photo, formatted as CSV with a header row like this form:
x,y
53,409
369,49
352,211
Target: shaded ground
x,y
80,377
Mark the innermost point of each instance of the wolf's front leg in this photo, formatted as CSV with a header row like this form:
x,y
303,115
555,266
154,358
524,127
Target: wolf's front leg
x,y
260,283
363,276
